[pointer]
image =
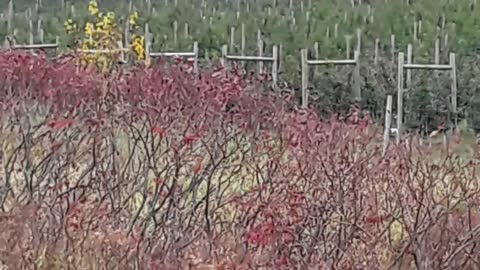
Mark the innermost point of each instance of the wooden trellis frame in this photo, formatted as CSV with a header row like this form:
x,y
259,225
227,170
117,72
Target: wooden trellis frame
x,y
120,50
149,54
343,62
42,46
402,66
274,60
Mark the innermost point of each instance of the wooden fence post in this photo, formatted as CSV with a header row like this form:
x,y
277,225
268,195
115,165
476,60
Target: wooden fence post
x,y
409,61
275,65
347,42
147,44
401,60
316,50
232,38
357,91
223,60
436,59
453,75
388,124
260,51
304,55
377,47
195,60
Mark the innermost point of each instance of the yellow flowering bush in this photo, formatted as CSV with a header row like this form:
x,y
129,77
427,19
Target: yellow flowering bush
x,y
101,37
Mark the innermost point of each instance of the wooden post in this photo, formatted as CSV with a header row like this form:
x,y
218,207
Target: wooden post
x,y
195,60
186,31
392,47
122,52
242,42
335,30
260,51
359,40
415,31
275,65
304,59
409,61
401,60
175,31
41,33
317,54
130,6
147,44
347,42
30,35
377,46
223,60
126,33
232,38
280,53
10,16
388,124
437,54
357,91
149,6
453,78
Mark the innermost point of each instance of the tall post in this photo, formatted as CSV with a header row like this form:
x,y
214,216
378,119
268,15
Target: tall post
x,y
260,51
388,124
232,38
359,39
436,59
453,75
195,60
275,65
401,60
377,47
357,91
304,53
316,50
175,32
147,44
409,61
223,60
347,45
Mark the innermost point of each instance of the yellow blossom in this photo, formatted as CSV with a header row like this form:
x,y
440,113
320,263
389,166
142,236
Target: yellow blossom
x,y
89,29
133,19
93,8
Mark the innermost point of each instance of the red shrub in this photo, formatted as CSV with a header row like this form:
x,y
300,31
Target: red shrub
x,y
161,169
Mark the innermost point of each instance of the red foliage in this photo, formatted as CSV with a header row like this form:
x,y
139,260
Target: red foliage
x,y
272,186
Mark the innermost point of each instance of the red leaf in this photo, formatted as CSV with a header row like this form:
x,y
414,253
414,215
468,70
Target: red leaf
x,y
160,131
190,139
61,124
198,167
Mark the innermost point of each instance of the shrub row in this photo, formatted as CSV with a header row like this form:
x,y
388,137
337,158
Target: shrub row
x,y
158,168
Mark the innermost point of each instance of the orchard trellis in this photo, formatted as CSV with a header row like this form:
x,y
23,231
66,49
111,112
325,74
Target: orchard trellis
x,y
305,62
149,54
402,67
259,59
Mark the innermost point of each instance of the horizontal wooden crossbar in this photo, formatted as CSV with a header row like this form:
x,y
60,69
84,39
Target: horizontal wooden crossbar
x,y
173,54
35,46
105,51
427,66
249,58
332,62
